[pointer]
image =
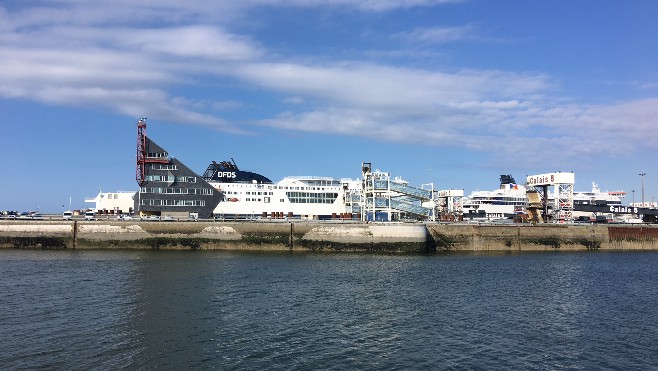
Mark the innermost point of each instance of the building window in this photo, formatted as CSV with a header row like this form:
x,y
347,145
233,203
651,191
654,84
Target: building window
x,y
311,197
164,167
157,155
176,203
159,178
185,179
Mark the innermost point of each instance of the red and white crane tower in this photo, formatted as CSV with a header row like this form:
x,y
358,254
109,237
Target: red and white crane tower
x,y
142,155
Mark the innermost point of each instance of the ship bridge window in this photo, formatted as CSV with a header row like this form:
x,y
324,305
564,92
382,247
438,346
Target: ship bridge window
x,y
312,197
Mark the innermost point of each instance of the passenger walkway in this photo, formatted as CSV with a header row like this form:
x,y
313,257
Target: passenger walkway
x,y
409,208
411,191
399,205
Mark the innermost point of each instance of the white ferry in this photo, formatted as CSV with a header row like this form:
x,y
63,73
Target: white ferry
x,y
248,195
597,197
505,202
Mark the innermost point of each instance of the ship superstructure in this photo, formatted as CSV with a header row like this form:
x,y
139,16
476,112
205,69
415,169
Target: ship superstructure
x,y
588,205
598,197
505,202
246,195
228,172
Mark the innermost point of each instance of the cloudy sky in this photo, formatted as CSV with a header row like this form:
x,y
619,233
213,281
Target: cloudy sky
x,y
455,92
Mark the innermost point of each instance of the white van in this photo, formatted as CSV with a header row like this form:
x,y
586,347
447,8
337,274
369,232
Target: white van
x,y
90,215
67,215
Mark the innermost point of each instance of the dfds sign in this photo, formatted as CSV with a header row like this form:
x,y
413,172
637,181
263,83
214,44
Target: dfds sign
x,y
226,174
550,179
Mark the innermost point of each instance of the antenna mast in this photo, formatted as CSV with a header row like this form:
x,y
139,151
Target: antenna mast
x,y
141,151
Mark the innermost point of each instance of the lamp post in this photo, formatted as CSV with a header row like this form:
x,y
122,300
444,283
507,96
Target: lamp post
x,y
642,175
633,197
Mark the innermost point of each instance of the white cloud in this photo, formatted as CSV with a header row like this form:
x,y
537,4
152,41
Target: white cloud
x,y
111,67
192,41
506,130
388,88
294,100
76,54
439,35
364,5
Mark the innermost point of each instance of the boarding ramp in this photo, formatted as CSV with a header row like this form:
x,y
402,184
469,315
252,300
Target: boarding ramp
x,y
400,206
404,198
382,185
411,191
383,195
410,208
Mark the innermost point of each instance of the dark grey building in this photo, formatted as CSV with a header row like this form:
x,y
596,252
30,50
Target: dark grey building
x,y
169,188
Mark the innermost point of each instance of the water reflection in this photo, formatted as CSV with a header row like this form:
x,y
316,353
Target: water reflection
x,y
61,309
175,289
174,310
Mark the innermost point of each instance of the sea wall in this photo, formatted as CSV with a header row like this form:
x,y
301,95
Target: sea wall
x,y
523,237
323,236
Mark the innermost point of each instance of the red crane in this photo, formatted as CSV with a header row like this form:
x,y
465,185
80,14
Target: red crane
x,y
142,156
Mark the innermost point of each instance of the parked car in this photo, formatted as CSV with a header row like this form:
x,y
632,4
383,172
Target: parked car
x,y
67,215
124,217
9,215
90,215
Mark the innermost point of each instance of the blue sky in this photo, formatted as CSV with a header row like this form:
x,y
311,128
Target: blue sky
x,y
456,92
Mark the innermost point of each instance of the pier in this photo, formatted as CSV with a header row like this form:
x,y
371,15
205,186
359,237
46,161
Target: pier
x,y
323,236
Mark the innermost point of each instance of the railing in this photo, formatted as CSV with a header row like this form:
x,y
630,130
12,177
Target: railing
x,y
406,199
378,202
380,184
414,209
412,191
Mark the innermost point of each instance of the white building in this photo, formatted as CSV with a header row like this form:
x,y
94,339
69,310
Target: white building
x,y
120,202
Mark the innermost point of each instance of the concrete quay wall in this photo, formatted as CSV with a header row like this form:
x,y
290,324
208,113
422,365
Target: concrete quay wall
x,y
323,236
524,237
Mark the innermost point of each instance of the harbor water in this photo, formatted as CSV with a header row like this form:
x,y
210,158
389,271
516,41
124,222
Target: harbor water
x,y
232,310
